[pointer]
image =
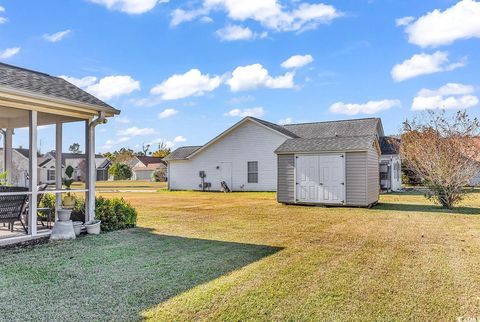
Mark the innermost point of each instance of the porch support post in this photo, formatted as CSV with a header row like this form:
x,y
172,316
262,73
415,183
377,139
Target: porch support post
x,y
32,215
91,171
8,154
58,165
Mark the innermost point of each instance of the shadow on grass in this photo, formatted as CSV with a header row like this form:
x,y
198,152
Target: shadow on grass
x,y
426,208
114,276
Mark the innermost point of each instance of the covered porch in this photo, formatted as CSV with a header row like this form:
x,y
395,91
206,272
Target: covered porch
x,y
30,99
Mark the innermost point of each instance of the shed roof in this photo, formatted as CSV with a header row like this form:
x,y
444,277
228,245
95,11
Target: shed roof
x,y
26,80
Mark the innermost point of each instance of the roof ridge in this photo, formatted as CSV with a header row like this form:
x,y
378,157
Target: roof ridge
x,y
349,120
27,69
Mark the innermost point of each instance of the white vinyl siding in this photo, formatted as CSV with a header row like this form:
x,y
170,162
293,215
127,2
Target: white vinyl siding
x,y
248,142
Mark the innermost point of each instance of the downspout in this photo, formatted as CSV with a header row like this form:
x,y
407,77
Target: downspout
x,y
91,168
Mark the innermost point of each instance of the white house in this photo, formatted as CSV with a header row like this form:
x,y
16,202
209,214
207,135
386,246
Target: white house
x,y
19,172
46,171
390,164
242,156
256,155
143,167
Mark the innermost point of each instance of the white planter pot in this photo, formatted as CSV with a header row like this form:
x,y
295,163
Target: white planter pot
x,y
93,227
64,214
77,227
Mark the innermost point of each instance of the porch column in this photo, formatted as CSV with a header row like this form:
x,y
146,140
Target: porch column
x,y
58,165
91,171
33,165
8,154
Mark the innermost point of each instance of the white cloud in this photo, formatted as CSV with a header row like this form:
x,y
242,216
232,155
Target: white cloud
x,y
80,82
2,9
449,96
130,6
135,131
423,64
405,21
191,83
241,99
179,139
9,52
180,16
255,112
56,36
122,120
269,13
370,107
255,76
3,20
287,120
111,143
167,113
107,87
234,32
436,28
297,61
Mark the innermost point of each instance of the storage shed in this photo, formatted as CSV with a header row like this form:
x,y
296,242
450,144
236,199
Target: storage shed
x,y
330,163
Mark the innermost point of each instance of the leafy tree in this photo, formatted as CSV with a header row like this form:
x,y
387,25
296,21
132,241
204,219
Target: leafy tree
x,y
74,148
443,152
121,156
120,171
162,150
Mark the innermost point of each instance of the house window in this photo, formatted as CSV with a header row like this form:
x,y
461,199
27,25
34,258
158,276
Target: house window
x,y
51,175
253,172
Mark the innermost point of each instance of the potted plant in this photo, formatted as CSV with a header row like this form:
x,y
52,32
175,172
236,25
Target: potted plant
x,y
93,227
68,200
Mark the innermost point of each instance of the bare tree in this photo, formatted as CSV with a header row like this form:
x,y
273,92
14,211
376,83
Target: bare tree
x,y
443,152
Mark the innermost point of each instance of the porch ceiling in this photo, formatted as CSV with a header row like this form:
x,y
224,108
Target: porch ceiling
x,y
18,118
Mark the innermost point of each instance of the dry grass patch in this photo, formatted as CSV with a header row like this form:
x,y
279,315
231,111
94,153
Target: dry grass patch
x,y
242,256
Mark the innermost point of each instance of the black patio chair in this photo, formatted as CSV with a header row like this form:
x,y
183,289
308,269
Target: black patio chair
x,y
11,207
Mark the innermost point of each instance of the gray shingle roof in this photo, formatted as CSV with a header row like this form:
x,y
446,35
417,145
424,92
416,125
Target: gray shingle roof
x,y
182,153
358,127
331,144
389,145
276,127
43,84
345,135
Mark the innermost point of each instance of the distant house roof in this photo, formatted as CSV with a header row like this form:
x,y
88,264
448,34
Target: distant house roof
x,y
389,145
344,135
146,160
38,83
182,153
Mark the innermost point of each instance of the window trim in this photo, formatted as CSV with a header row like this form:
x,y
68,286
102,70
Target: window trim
x,y
49,172
252,172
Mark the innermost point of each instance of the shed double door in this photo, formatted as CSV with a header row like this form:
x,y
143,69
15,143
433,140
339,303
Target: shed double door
x,y
320,178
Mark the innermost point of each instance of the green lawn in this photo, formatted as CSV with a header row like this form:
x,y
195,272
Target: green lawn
x,y
242,256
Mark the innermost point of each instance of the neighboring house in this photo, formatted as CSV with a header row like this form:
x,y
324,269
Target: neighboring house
x,y
143,167
312,163
47,169
390,164
20,166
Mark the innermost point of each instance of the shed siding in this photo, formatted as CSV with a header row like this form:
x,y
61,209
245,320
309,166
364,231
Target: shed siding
x,y
248,142
373,178
356,178
286,178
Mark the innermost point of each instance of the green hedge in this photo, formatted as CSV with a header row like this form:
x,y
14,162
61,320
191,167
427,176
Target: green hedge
x,y
115,213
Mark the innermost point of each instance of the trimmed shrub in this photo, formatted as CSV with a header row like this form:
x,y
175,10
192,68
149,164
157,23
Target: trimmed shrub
x,y
115,214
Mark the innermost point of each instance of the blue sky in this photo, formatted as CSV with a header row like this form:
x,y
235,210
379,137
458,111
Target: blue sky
x,y
182,72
